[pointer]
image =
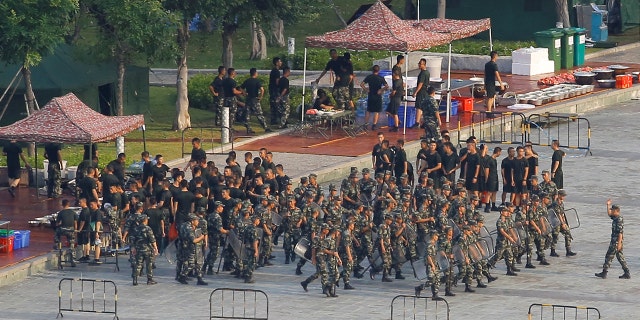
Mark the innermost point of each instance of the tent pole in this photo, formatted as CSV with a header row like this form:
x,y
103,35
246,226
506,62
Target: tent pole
x,y
304,84
449,85
36,166
406,93
418,9
490,40
144,138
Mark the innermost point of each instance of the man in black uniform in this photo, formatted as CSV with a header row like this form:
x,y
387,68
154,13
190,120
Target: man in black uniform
x,y
472,169
183,203
118,167
556,164
274,77
254,91
341,84
54,170
198,156
506,166
229,87
421,90
283,97
218,95
14,154
519,175
377,86
491,74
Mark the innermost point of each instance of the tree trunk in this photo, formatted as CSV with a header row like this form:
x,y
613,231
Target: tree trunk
x,y
228,30
442,8
258,43
120,87
562,13
31,99
183,119
276,38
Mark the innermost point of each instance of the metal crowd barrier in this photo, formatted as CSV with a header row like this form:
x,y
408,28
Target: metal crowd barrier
x,y
229,303
412,307
563,312
576,136
502,128
209,138
87,295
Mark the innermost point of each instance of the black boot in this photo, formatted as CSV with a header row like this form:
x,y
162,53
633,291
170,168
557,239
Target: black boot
x,y
399,275
570,253
304,285
385,276
286,260
201,282
480,284
554,253
210,270
513,267
448,293
249,280
487,208
182,280
602,274
467,288
529,265
510,272
135,281
417,291
298,271
348,286
491,278
626,275
332,291
150,281
434,293
544,262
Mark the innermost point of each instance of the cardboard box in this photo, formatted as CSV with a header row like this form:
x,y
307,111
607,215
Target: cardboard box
x,y
530,55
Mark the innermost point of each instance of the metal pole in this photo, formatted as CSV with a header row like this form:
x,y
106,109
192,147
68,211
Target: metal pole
x,y
418,10
304,83
406,93
490,40
225,125
144,138
36,166
449,85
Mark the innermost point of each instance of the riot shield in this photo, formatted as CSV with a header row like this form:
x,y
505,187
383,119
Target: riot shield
x,y
421,249
410,232
366,199
474,253
485,249
515,235
554,220
276,219
171,252
544,225
303,249
419,269
234,241
455,228
443,261
398,255
484,232
200,255
458,254
572,218
375,261
521,230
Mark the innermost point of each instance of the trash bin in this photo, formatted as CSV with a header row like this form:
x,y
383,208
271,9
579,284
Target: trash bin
x,y
599,29
551,40
579,39
566,51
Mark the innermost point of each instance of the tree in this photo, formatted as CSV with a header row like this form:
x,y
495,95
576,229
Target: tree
x,y
133,28
258,43
186,10
442,8
276,36
562,12
31,29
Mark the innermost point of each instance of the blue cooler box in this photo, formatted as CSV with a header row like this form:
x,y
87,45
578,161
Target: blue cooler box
x,y
411,116
454,106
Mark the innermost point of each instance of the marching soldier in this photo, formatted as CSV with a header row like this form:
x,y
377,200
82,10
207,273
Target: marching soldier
x,y
351,192
347,254
318,258
190,236
311,228
503,243
384,247
215,233
433,271
558,207
399,244
292,225
616,243
332,256
252,251
465,269
444,245
533,227
144,249
548,186
542,239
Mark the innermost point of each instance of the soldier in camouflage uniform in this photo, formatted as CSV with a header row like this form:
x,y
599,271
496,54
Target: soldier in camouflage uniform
x,y
351,193
399,243
547,185
201,248
251,241
504,242
616,243
542,240
445,245
384,247
311,229
292,224
330,245
430,116
282,101
189,236
347,253
534,229
144,249
367,186
465,267
215,232
266,216
433,270
318,258
558,207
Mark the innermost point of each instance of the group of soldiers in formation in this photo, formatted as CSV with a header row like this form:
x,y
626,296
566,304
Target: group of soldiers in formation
x,y
374,221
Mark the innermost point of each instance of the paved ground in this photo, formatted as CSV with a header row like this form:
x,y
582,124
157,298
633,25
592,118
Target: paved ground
x,y
610,172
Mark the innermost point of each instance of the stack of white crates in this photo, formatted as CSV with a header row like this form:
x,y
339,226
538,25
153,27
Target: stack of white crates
x,y
531,61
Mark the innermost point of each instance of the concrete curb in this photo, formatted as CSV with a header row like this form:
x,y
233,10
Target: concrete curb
x,y
612,50
30,267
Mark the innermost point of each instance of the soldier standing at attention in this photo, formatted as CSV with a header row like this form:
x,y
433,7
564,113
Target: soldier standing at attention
x,y
144,250
558,207
384,245
615,246
218,95
187,250
433,271
252,252
215,233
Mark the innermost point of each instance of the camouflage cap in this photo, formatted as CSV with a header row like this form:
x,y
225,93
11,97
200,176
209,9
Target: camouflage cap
x,y
544,195
503,208
443,180
354,170
466,228
474,197
313,175
271,198
289,182
460,190
353,175
325,226
387,172
107,206
472,223
142,217
387,216
562,192
139,205
535,197
201,210
262,197
615,207
335,228
406,198
304,179
366,171
218,204
379,175
446,187
255,218
193,217
509,204
332,187
462,181
291,198
404,176
423,174
545,172
533,177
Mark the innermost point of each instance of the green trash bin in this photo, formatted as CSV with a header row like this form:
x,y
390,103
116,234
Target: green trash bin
x,y
579,40
566,51
551,40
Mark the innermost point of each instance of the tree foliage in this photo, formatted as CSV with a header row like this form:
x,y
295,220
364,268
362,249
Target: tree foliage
x,y
31,29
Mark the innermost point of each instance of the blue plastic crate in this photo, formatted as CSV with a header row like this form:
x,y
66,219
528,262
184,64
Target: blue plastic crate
x,y
454,106
17,240
411,116
26,238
